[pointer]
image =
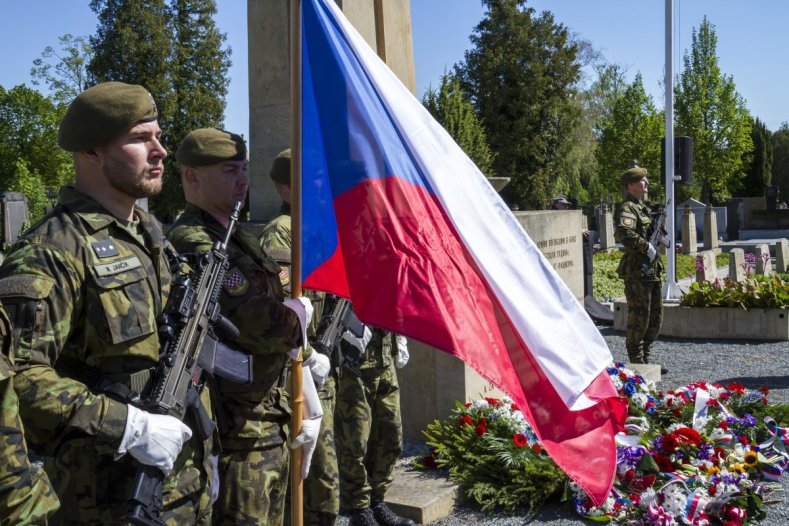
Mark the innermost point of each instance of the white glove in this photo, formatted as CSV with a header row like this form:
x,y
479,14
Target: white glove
x,y
308,438
154,440
320,367
311,422
651,252
402,351
303,308
359,343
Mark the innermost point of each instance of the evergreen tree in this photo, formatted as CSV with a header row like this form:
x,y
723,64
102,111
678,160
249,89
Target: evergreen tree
x,y
25,182
68,75
521,75
759,162
453,110
780,165
709,109
631,131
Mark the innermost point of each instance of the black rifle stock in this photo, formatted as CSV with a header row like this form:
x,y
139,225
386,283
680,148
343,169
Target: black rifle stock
x,y
658,235
189,331
338,316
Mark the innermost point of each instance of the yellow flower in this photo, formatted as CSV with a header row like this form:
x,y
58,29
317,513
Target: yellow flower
x,y
713,470
739,468
751,458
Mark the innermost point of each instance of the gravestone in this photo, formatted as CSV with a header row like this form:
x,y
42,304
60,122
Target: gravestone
x,y
14,214
689,244
706,266
782,256
606,224
763,263
710,229
736,261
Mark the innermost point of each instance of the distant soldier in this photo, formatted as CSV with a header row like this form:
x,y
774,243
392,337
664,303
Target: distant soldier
x,y
26,497
640,267
84,288
369,431
253,419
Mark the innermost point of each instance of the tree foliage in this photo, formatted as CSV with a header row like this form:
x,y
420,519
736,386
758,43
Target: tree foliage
x,y
453,110
64,71
29,126
24,181
780,166
521,75
631,131
709,109
759,162
175,51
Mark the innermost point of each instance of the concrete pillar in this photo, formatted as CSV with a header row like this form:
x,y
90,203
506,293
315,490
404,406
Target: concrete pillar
x,y
710,228
606,226
782,256
736,260
689,231
385,25
763,262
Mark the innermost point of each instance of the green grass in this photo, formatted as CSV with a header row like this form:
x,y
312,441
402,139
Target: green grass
x,y
606,285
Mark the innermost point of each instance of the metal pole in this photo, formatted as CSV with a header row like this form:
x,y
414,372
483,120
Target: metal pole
x,y
297,400
670,288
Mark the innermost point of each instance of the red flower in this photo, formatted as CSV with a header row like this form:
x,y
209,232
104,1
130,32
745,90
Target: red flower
x,y
713,403
537,448
495,402
677,412
725,397
664,463
515,407
712,490
744,440
764,389
467,405
723,425
466,420
622,376
737,387
480,429
519,440
669,443
689,435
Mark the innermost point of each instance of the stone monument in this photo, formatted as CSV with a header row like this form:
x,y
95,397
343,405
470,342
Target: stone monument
x,y
689,232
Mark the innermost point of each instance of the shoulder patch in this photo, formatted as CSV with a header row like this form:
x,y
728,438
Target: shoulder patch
x,y
105,248
628,221
235,282
284,277
26,286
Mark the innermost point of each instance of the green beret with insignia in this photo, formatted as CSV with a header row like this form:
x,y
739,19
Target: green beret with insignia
x,y
207,146
634,175
280,170
102,113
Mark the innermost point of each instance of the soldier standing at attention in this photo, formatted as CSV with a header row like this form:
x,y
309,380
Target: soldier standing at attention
x,y
369,431
26,497
83,289
640,267
253,419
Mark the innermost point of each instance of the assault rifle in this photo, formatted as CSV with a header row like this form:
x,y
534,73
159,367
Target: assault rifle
x,y
657,235
190,330
338,316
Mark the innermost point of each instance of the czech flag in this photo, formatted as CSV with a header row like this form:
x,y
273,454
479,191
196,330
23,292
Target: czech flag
x,y
400,221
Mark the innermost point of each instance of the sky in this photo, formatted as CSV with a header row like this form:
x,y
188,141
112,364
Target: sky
x,y
630,33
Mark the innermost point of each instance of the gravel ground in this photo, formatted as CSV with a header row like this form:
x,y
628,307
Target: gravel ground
x,y
752,363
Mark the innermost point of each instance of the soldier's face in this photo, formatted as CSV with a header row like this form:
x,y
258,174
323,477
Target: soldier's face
x,y
223,184
133,163
639,188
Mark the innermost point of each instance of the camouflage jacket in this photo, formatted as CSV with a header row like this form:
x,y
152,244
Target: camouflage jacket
x,y
632,227
26,496
82,289
252,296
380,350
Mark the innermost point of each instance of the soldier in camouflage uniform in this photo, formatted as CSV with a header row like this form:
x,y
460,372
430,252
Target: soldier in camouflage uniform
x,y
368,430
253,419
83,289
642,288
26,497
322,486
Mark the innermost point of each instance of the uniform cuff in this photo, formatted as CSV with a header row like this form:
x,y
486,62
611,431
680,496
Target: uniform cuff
x,y
114,424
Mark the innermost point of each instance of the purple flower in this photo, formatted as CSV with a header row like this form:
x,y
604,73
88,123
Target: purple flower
x,y
699,263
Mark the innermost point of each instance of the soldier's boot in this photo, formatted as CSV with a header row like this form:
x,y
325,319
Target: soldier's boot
x,y
635,356
363,517
386,517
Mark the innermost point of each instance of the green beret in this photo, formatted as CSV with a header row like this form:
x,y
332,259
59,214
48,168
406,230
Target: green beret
x,y
102,113
207,146
634,175
280,170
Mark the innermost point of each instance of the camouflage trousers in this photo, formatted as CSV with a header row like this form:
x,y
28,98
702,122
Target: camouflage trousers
x,y
252,486
369,435
26,496
644,317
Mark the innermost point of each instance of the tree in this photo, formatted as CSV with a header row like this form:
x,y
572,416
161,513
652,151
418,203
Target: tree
x,y
780,166
631,131
29,127
709,109
25,182
199,83
68,75
759,162
452,108
521,75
